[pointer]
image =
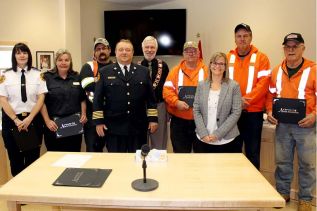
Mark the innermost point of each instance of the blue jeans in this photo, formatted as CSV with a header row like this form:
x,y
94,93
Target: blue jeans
x,y
289,136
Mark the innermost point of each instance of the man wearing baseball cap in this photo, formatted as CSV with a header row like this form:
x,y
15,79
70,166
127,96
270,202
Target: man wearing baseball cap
x,y
88,74
179,92
295,78
250,68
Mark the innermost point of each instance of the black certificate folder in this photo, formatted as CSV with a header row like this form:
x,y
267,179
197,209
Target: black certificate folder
x,y
83,177
68,126
26,140
287,110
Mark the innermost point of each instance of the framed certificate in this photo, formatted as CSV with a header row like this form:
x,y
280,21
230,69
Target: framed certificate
x,y
68,126
287,110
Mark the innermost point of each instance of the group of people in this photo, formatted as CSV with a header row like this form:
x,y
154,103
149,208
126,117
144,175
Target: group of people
x,y
212,108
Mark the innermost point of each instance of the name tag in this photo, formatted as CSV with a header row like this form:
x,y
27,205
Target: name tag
x,y
76,83
111,77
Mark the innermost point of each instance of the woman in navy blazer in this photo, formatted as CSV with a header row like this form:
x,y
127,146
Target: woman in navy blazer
x,y
217,108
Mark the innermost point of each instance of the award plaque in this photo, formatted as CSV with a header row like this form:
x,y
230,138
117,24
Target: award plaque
x,y
287,110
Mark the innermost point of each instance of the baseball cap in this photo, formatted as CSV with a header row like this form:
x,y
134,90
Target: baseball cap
x,y
242,26
101,41
294,37
190,44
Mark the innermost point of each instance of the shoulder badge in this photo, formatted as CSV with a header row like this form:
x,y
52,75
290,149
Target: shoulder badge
x,y
42,76
2,79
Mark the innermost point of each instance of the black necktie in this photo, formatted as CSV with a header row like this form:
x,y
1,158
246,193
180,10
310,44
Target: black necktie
x,y
23,88
150,69
126,71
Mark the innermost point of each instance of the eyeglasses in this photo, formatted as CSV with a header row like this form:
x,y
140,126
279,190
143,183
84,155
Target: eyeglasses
x,y
220,64
294,47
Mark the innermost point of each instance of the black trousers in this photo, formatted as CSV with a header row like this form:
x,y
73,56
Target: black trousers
x,y
183,134
250,127
67,144
20,160
94,143
125,143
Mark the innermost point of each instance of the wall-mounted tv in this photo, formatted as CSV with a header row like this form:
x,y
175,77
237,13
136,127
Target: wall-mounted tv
x,y
168,26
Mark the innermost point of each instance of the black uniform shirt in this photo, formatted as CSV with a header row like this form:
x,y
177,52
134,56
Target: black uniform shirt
x,y
64,96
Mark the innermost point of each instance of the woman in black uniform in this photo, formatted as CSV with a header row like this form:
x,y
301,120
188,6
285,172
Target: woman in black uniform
x,y
22,92
65,97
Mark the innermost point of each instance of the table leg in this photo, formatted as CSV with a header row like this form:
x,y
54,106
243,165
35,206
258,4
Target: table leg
x,y
13,206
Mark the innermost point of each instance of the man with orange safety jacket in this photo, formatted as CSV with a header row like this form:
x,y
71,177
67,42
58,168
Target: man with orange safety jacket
x,y
250,68
179,92
295,78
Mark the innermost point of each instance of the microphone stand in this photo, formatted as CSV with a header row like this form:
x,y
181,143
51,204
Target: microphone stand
x,y
144,184
144,170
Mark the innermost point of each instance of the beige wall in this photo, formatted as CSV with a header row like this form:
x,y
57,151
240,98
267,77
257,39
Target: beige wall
x,y
73,24
37,22
270,21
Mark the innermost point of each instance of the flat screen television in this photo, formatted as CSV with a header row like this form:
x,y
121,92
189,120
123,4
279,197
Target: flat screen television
x,y
168,26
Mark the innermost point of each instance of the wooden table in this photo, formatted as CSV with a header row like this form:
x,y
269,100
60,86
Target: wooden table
x,y
186,182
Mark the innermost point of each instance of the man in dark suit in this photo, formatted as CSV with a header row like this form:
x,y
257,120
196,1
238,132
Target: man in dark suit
x,y
124,103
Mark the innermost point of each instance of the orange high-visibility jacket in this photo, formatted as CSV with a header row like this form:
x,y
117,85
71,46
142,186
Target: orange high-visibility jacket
x,y
302,85
252,73
170,89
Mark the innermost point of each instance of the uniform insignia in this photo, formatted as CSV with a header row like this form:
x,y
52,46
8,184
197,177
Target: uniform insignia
x,y
114,68
97,78
42,76
76,83
2,79
111,77
134,68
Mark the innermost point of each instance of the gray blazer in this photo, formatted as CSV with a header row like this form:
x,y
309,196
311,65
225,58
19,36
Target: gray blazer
x,y
228,109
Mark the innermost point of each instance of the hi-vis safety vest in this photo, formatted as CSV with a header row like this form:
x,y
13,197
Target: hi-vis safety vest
x,y
301,87
89,80
251,71
181,76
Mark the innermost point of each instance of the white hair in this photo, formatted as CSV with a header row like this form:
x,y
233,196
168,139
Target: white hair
x,y
149,38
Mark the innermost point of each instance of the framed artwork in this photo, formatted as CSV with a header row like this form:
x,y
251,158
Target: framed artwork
x,y
45,60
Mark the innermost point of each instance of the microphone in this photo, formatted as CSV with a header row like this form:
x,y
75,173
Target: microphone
x,y
145,149
144,184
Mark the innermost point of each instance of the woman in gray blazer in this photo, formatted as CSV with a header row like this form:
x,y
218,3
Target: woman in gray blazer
x,y
217,108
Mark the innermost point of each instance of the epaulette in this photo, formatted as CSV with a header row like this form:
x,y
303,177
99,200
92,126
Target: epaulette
x,y
7,70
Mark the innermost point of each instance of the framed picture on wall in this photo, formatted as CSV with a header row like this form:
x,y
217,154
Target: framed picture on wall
x,y
45,60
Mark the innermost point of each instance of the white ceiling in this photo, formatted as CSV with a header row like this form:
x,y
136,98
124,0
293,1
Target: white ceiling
x,y
138,3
